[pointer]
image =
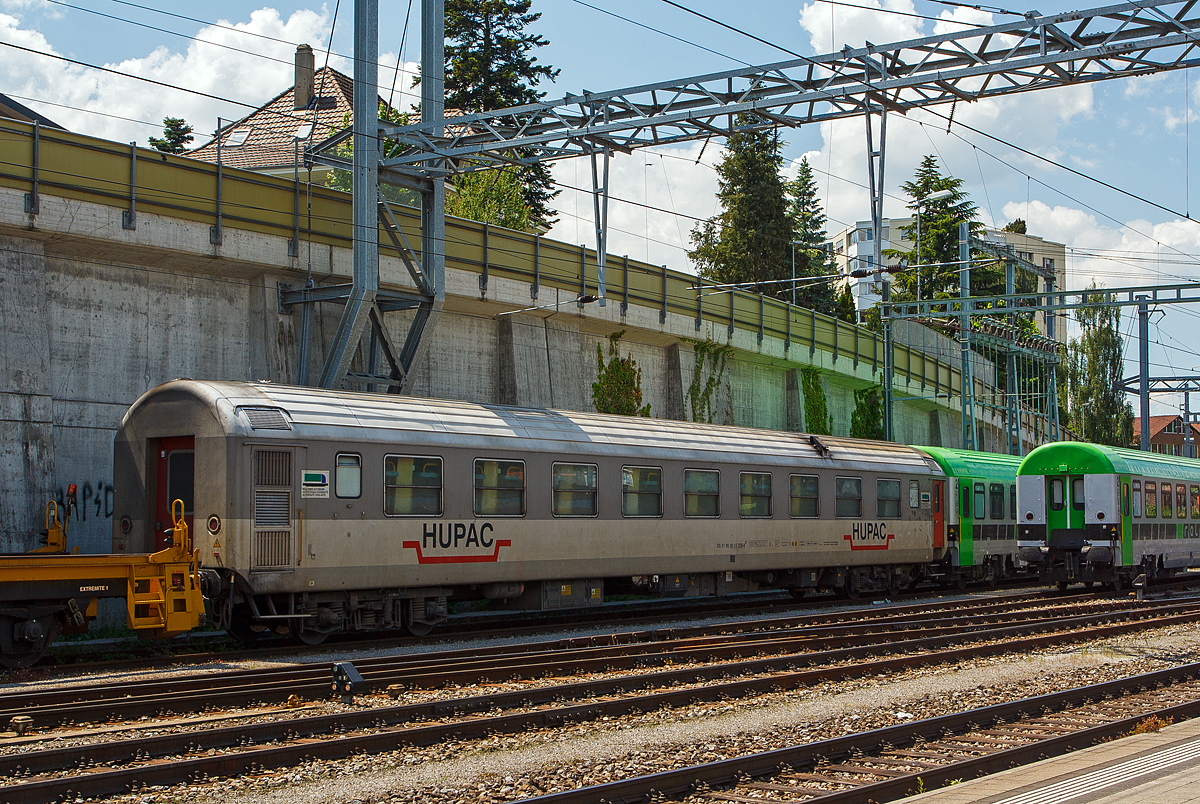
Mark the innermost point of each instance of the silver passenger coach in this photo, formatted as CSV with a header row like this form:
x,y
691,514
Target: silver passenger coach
x,y
319,511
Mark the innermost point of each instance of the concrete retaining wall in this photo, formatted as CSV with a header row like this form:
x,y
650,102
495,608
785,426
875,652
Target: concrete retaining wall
x,y
96,314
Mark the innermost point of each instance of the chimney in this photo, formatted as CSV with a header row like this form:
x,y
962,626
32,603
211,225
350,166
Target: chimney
x,y
303,91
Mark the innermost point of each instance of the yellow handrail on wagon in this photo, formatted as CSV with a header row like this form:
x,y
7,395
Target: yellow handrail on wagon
x,y
161,590
56,531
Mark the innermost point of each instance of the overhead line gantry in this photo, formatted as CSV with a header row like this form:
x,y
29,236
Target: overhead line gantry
x,y
1034,53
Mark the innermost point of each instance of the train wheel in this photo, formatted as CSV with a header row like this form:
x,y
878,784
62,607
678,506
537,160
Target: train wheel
x,y
307,636
1117,583
850,590
1062,586
960,581
796,592
412,626
239,626
37,637
418,629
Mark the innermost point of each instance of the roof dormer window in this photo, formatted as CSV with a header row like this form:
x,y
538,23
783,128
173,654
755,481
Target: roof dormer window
x,y
238,137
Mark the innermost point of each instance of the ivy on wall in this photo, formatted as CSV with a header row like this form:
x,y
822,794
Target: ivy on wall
x,y
816,412
867,419
700,392
618,387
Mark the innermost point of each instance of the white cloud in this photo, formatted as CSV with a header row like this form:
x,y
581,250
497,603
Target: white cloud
x,y
1142,85
44,9
961,19
830,27
1137,252
257,71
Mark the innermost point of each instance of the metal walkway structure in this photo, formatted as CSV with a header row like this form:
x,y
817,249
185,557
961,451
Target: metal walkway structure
x,y
1035,53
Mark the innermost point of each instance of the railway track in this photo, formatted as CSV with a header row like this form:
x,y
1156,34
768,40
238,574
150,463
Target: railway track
x,y
125,763
784,642
891,763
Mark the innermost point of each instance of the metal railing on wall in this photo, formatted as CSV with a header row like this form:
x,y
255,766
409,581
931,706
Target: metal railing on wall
x,y
83,168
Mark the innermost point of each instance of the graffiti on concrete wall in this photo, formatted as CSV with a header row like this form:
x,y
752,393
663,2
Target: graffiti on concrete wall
x,y
88,500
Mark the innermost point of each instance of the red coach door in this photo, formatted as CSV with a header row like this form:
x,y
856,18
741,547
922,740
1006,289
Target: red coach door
x,y
939,515
176,481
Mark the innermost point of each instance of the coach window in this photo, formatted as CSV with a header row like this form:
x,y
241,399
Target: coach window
x,y
1151,499
806,497
701,493
412,486
641,491
499,488
887,499
1137,499
1167,513
574,489
1195,502
1181,501
847,492
996,501
980,501
1012,501
1125,499
1077,494
1056,494
914,494
964,507
755,495
347,478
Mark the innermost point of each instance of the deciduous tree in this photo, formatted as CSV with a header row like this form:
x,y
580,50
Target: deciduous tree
x,y
490,196
1094,369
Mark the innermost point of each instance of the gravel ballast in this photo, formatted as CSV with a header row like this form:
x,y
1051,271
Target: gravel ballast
x,y
510,767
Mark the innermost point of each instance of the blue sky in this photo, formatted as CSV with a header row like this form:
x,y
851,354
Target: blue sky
x,y
1132,134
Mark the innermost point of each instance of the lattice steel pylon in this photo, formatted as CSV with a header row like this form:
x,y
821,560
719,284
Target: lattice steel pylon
x,y
1038,52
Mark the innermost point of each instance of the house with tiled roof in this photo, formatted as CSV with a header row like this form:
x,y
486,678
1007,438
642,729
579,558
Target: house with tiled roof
x,y
268,139
1166,434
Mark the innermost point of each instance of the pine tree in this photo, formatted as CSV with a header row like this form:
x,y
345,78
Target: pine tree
x,y
177,135
808,239
490,65
846,311
939,238
1095,369
749,241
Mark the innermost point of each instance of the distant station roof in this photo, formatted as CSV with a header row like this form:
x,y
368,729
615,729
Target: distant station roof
x,y
16,111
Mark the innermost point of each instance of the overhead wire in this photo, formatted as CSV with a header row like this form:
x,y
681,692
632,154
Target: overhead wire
x,y
166,31
662,32
670,2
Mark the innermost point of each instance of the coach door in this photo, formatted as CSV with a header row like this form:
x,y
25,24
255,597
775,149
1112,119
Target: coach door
x,y
966,526
176,481
271,532
1064,511
939,515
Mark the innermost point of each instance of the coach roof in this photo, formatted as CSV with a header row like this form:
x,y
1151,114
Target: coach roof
x,y
312,413
1086,459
